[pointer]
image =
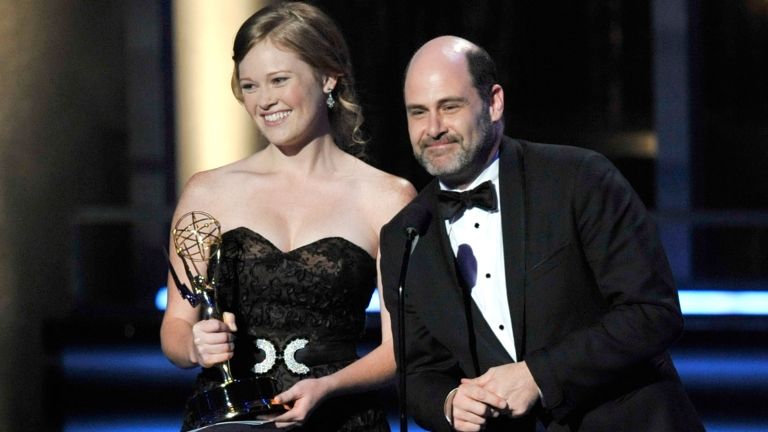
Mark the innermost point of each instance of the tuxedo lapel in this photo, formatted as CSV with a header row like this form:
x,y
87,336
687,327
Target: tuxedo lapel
x,y
454,317
440,301
513,227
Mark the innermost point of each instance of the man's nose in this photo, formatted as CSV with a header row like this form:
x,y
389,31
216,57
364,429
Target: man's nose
x,y
435,128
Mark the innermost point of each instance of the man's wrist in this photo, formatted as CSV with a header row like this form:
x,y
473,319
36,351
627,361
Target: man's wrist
x,y
448,405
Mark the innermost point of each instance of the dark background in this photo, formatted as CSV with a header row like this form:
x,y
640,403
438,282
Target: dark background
x,y
673,92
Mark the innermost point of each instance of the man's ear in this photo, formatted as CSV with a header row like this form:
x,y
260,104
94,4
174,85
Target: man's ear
x,y
496,107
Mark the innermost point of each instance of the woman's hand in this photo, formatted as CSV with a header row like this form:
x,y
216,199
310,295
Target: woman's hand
x,y
213,340
303,397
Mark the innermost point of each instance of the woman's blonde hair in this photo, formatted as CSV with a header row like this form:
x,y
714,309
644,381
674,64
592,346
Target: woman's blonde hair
x,y
314,37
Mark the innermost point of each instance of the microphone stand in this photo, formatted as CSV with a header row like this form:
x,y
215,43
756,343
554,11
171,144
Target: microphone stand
x,y
411,234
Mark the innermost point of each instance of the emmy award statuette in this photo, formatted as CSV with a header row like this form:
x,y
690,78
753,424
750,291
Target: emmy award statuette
x,y
197,240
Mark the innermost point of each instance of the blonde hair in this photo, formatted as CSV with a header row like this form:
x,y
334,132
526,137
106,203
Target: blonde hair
x,y
314,37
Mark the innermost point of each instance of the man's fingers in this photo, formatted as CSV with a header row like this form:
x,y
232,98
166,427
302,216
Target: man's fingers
x,y
473,405
482,380
468,414
483,395
473,425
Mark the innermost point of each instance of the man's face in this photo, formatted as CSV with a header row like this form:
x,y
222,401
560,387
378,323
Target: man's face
x,y
448,123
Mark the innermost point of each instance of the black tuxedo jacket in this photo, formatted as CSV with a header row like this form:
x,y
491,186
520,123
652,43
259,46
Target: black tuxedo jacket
x,y
591,297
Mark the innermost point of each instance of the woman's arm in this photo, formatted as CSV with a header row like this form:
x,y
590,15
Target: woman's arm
x,y
185,340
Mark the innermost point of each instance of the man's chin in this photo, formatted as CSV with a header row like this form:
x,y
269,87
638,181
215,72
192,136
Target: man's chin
x,y
444,164
437,169
443,172
450,174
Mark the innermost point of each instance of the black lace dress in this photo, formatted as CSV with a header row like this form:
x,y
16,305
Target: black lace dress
x,y
313,297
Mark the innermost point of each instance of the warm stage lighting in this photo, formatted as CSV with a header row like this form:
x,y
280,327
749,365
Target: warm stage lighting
x,y
212,128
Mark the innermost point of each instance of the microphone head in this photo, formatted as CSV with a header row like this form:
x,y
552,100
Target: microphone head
x,y
416,219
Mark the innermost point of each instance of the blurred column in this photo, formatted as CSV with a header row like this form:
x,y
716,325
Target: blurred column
x,y
212,128
673,120
149,104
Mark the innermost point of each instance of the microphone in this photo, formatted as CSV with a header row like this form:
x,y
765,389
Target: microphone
x,y
416,220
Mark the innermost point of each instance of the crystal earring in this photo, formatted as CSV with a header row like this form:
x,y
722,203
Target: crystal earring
x,y
329,101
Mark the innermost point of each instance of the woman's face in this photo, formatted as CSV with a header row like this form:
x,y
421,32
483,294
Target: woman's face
x,y
283,95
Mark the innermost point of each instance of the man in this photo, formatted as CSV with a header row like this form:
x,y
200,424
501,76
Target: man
x,y
551,300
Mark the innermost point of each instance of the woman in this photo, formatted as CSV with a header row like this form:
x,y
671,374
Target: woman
x,y
300,220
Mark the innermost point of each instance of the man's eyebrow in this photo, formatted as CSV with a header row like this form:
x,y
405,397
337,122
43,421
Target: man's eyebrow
x,y
415,106
443,101
452,99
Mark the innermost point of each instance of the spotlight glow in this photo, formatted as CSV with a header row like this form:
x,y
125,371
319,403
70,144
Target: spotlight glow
x,y
692,302
161,298
724,302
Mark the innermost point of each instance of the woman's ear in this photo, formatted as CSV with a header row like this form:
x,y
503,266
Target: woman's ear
x,y
329,83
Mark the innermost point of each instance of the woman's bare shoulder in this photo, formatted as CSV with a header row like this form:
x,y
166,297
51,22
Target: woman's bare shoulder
x,y
375,180
385,194
213,187
206,182
227,174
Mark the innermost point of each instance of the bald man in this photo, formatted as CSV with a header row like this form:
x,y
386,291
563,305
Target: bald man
x,y
538,294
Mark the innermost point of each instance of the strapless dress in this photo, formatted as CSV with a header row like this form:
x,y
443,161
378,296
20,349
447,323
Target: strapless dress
x,y
299,314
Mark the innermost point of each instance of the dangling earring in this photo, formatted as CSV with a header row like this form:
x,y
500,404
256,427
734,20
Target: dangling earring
x,y
329,101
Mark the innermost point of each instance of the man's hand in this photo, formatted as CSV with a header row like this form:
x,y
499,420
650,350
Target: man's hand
x,y
514,383
471,406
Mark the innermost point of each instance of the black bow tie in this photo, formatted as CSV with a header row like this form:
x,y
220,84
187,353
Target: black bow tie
x,y
451,204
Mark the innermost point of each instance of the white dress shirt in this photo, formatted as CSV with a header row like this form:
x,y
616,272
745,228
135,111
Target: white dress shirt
x,y
481,231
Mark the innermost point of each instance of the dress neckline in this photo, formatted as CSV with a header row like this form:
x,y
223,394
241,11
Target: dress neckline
x,y
304,246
